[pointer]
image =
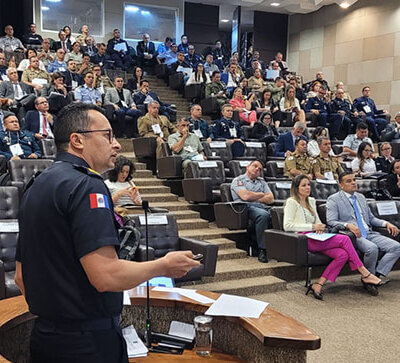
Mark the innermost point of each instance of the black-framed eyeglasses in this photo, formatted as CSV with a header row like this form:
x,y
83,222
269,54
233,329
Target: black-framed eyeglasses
x,y
110,133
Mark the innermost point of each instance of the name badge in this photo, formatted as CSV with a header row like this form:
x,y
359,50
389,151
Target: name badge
x,y
156,129
16,150
329,175
188,148
367,109
124,104
74,84
233,132
198,133
61,69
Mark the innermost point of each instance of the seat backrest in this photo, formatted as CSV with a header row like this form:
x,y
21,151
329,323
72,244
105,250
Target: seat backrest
x,y
218,148
321,190
226,195
280,190
166,150
274,168
277,218
162,237
322,213
256,149
238,167
388,210
365,185
8,246
207,169
247,132
23,170
9,202
48,147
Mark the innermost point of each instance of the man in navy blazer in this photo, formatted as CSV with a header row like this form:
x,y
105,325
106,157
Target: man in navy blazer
x,y
146,52
40,121
286,142
349,209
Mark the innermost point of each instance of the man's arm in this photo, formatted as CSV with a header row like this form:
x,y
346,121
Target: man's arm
x,y
268,198
108,273
350,151
332,213
249,196
18,277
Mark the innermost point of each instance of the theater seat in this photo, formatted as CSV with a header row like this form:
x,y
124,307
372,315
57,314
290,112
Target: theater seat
x,y
321,190
169,166
8,245
9,202
48,147
382,214
280,190
145,147
164,238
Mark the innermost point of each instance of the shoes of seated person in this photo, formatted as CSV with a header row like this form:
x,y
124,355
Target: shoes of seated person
x,y
372,290
262,256
384,280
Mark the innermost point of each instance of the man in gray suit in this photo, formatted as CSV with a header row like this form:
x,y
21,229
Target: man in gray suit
x,y
349,209
121,99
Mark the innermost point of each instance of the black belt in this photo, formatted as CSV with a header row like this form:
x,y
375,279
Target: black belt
x,y
79,325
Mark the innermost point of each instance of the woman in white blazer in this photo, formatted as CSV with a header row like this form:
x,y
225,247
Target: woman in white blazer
x,y
300,215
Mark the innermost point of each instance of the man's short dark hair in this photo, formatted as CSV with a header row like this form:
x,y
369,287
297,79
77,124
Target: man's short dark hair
x,y
278,78
342,175
100,44
168,39
214,73
72,118
183,35
363,89
298,140
143,81
69,60
256,161
362,126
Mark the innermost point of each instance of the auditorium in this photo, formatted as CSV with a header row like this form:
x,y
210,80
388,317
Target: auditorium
x,y
199,180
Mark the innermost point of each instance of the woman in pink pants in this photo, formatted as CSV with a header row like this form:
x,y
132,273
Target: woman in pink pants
x,y
300,215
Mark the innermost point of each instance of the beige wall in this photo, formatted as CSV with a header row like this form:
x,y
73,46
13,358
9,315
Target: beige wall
x,y
359,46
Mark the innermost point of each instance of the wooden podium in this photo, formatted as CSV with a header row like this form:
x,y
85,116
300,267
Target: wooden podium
x,y
274,337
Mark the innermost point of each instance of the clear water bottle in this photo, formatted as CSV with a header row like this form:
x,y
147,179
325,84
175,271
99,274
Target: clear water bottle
x,y
203,328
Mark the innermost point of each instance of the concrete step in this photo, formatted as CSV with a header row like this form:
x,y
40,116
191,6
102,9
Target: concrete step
x,y
126,145
189,224
142,174
185,214
171,206
138,165
211,233
230,253
148,181
223,243
161,197
154,189
245,287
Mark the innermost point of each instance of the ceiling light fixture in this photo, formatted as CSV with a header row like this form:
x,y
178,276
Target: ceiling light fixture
x,y
344,5
224,20
131,8
275,4
145,12
45,8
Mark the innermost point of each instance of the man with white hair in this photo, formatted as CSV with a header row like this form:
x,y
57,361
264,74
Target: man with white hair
x,y
146,52
9,43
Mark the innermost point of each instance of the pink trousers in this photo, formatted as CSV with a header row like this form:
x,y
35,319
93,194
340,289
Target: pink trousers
x,y
341,250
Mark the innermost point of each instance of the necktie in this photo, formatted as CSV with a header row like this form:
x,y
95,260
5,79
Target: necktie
x,y
44,126
358,217
64,47
16,91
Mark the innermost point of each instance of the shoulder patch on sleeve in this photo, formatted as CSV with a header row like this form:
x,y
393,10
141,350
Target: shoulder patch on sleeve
x,y
98,201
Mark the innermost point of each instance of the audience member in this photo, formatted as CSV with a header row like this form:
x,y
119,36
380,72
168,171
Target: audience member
x,y
186,144
40,122
169,57
164,47
68,35
314,88
313,146
277,89
264,129
87,93
154,125
243,106
238,69
59,64
75,54
256,58
17,144
391,132
3,68
84,33
184,46
325,165
192,58
63,43
34,76
217,89
146,52
72,78
57,93
349,210
243,84
85,66
133,84
318,106
180,62
346,95
364,164
384,162
231,79
320,78
253,189
118,49
218,53
101,58
281,63
197,125
256,81
300,95
123,190
209,65
121,99
9,43
393,180
300,215
226,128
352,142
25,63
31,37
285,145
90,47
198,76
267,104
299,162
289,103
375,118
45,55
101,81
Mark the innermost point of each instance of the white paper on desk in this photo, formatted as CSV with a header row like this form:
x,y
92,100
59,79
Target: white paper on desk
x,y
386,208
182,330
154,220
231,305
127,299
320,236
9,225
134,345
191,294
120,46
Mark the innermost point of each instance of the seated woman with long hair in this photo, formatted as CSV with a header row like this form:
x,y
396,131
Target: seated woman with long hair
x,y
264,129
267,104
199,76
364,164
312,146
300,215
289,103
393,180
313,91
133,84
120,184
56,103
243,106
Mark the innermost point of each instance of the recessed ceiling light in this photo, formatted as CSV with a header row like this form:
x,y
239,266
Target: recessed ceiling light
x,y
54,1
45,8
131,8
275,4
224,20
145,12
344,5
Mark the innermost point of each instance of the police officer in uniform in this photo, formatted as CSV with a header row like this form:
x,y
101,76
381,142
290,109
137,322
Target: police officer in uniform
x,y
67,265
226,128
253,189
17,144
299,162
326,165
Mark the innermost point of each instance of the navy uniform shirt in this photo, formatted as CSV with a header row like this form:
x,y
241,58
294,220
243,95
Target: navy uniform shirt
x,y
244,182
366,105
315,103
222,129
200,125
25,138
341,105
66,214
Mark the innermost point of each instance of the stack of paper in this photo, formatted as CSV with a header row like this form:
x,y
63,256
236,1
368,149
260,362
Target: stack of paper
x,y
135,346
182,330
191,294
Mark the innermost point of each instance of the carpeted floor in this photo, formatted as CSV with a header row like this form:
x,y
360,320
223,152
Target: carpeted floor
x,y
353,326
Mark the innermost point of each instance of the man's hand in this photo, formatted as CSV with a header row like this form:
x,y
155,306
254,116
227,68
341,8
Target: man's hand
x,y
341,112
315,112
288,153
209,139
392,229
39,136
32,156
179,263
356,114
354,229
160,139
116,107
37,86
318,227
15,157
